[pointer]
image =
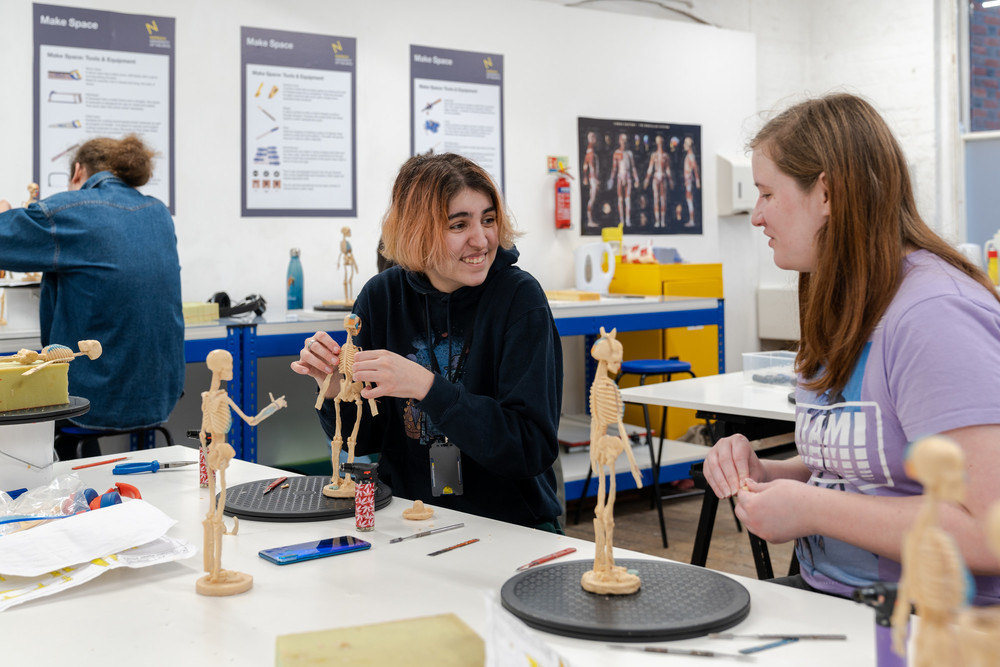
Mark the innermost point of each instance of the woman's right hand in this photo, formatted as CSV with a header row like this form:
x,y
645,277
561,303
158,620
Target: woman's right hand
x,y
729,463
318,357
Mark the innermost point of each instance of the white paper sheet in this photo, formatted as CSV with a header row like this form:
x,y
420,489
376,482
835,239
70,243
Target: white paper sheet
x,y
81,538
15,590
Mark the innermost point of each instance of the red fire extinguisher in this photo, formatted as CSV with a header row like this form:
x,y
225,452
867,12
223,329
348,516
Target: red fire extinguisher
x,y
563,205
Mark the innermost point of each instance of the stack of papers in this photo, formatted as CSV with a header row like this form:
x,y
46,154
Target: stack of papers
x,y
68,552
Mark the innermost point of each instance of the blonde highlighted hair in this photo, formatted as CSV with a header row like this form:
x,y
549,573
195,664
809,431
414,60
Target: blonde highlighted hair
x,y
414,227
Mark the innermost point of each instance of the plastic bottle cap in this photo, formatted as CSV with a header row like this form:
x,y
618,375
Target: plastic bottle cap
x,y
992,254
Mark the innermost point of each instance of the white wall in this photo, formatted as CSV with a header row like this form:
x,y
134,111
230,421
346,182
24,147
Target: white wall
x,y
560,63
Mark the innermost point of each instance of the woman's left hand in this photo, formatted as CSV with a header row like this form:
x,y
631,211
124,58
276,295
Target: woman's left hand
x,y
391,375
775,511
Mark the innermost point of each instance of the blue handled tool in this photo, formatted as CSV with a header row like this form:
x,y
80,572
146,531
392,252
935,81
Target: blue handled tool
x,y
152,466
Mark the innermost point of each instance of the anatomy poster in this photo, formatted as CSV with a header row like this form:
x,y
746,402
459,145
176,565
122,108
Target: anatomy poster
x,y
457,106
298,148
102,74
646,176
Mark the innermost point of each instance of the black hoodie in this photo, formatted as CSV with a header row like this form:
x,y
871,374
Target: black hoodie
x,y
497,390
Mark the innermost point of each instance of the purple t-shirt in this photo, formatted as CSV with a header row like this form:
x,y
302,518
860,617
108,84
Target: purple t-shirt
x,y
931,365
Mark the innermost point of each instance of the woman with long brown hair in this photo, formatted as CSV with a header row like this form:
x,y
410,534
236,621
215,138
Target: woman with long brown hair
x,y
900,339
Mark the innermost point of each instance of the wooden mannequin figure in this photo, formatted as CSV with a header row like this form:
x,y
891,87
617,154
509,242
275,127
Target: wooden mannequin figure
x,y
350,266
606,409
350,391
933,578
979,627
216,420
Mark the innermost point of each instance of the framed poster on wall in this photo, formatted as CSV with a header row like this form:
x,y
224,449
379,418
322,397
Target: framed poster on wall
x,y
298,124
643,175
102,74
456,106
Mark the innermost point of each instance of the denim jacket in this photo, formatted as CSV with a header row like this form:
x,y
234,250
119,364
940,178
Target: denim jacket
x,y
111,273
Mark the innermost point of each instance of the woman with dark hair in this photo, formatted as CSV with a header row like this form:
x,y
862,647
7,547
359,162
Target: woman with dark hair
x,y
900,340
111,273
462,351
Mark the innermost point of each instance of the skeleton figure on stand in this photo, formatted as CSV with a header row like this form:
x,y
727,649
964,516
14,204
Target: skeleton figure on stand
x,y
216,420
350,266
606,409
349,391
933,577
979,627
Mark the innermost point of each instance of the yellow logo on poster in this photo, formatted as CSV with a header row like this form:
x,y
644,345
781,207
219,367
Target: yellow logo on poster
x,y
337,48
151,27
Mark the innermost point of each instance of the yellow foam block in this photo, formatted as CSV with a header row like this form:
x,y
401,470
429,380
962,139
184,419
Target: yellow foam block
x,y
571,295
428,641
196,312
48,386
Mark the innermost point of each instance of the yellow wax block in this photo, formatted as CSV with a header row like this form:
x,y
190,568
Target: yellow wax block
x,y
428,641
47,386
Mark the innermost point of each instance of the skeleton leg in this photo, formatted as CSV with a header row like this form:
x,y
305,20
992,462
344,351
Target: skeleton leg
x,y
335,445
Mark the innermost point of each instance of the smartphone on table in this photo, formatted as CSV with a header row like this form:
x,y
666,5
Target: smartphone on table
x,y
330,546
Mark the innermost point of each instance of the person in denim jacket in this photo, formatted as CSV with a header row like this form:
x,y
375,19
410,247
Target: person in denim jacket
x,y
111,273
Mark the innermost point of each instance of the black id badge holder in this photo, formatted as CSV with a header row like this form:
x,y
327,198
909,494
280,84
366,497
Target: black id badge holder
x,y
446,469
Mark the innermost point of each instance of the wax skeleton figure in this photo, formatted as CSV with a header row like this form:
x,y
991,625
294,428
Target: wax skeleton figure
x,y
606,408
216,420
933,576
350,266
55,354
350,391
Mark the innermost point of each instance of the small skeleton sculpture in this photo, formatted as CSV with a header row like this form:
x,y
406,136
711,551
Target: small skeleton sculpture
x,y
933,578
350,266
349,391
979,627
215,422
32,194
55,354
606,408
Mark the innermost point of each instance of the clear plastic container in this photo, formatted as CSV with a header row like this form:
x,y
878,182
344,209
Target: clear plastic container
x,y
777,368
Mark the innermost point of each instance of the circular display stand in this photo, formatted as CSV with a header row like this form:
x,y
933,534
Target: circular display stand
x,y
303,500
76,407
675,601
26,453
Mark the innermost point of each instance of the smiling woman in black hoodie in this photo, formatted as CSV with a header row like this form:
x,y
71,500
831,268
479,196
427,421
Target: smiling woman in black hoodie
x,y
462,351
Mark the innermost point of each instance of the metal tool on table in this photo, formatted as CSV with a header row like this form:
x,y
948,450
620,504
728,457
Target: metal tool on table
x,y
151,466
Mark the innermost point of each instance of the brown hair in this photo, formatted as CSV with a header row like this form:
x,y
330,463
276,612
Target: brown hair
x,y
873,223
127,158
414,227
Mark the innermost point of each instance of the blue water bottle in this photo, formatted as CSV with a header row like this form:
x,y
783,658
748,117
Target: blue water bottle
x,y
294,281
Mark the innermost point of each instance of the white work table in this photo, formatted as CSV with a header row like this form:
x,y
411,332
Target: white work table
x,y
728,393
152,616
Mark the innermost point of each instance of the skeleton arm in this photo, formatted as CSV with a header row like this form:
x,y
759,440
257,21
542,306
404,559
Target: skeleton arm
x,y
275,405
